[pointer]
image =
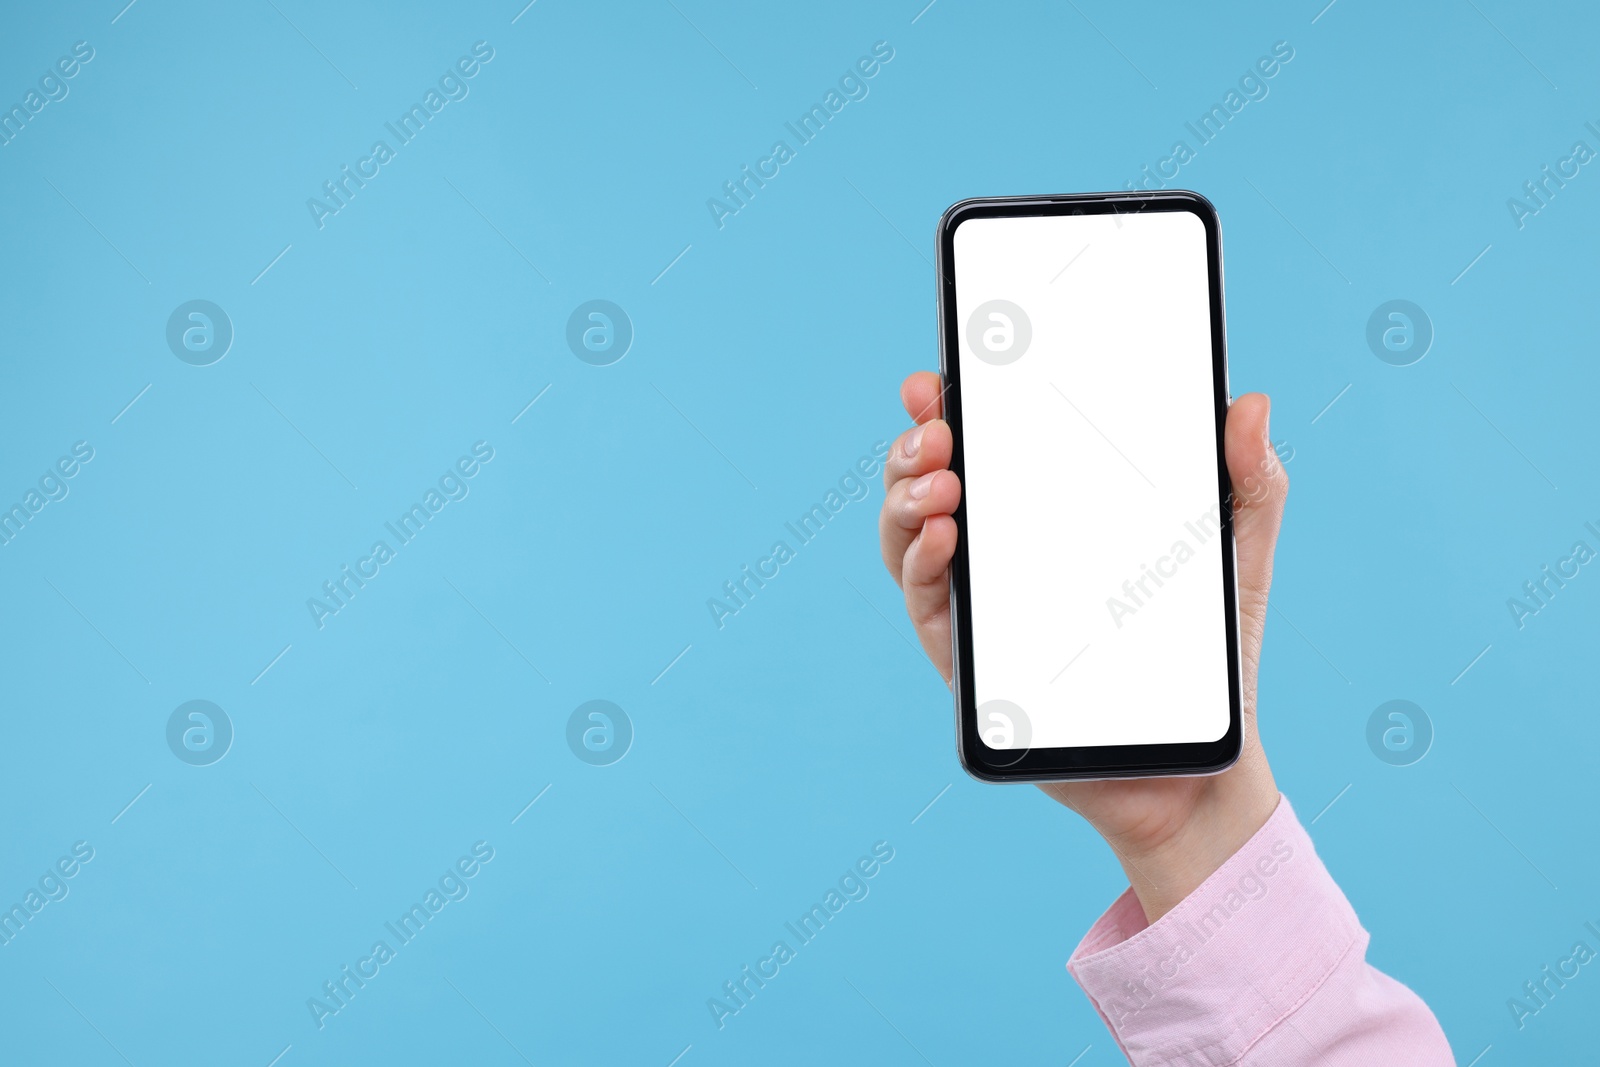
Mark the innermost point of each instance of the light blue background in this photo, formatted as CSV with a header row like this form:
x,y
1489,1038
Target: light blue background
x,y
774,752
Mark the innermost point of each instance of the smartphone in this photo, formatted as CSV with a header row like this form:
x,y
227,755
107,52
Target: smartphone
x,y
1094,609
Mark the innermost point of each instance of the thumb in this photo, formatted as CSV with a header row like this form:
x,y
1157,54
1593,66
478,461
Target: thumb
x,y
1260,487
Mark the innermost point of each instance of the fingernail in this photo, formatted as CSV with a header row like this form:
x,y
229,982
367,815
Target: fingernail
x,y
922,486
914,442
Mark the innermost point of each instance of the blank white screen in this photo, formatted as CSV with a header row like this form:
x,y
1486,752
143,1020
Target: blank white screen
x,y
1091,463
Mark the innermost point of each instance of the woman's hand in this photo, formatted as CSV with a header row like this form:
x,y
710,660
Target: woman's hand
x,y
1169,834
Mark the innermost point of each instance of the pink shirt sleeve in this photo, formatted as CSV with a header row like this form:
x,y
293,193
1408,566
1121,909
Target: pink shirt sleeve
x,y
1264,963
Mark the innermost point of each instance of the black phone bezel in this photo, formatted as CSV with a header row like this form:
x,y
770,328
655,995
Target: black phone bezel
x,y
1108,761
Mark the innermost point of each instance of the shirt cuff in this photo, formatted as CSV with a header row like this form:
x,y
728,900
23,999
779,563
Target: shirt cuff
x,y
1235,958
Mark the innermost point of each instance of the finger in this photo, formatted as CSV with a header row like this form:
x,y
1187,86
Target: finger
x,y
922,393
1260,488
917,451
926,581
908,504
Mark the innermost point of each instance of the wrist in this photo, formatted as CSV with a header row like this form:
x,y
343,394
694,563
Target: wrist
x,y
1165,868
